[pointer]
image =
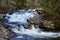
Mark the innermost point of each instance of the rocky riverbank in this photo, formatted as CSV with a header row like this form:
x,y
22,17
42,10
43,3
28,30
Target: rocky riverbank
x,y
5,33
38,20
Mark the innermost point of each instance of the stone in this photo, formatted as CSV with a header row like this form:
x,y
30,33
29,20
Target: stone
x,y
48,24
1,15
5,33
37,19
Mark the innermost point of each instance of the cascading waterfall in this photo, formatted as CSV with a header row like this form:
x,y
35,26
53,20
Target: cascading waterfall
x,y
20,17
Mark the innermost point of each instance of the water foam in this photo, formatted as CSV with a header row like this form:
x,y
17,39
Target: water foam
x,y
36,32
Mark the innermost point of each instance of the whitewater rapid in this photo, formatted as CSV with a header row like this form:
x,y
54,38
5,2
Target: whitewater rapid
x,y
21,17
36,32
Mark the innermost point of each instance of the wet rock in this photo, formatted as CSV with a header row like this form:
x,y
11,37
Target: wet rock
x,y
37,19
48,24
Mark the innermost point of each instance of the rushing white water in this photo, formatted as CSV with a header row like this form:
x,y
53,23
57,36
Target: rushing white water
x,y
22,17
36,32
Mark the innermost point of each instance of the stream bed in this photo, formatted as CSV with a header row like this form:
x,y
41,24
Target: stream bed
x,y
17,22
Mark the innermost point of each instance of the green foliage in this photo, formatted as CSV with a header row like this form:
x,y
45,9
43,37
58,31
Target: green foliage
x,y
52,7
19,3
30,3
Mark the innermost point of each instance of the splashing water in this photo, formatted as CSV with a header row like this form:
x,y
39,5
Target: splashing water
x,y
36,32
21,18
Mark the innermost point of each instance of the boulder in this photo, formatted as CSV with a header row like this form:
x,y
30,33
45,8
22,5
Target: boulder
x,y
48,24
37,19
